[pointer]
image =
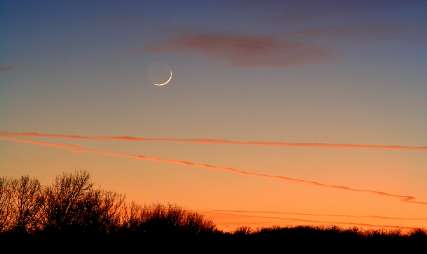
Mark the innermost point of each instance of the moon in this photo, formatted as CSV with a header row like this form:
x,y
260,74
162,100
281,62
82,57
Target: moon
x,y
167,81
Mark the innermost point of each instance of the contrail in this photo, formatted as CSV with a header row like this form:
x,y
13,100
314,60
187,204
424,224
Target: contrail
x,y
323,222
83,149
220,141
255,212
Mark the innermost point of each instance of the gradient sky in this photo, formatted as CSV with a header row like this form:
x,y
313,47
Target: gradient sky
x,y
327,71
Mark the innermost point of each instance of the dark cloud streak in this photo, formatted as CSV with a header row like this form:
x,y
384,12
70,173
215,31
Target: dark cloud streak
x,y
245,50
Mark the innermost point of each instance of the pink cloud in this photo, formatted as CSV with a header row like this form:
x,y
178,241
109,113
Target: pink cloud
x,y
245,50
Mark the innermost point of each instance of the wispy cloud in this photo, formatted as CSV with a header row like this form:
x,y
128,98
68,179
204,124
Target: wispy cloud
x,y
245,50
211,141
292,48
328,19
237,171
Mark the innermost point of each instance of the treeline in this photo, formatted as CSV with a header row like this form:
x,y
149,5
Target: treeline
x,y
73,205
72,209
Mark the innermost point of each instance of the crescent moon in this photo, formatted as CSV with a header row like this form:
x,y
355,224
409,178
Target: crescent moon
x,y
166,82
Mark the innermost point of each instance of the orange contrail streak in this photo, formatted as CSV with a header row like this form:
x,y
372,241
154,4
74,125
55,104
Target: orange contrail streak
x,y
220,141
83,149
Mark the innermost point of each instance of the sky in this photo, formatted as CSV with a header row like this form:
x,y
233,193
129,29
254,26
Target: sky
x,y
278,113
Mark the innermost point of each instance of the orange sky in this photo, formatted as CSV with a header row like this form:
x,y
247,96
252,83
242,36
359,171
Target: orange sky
x,y
358,199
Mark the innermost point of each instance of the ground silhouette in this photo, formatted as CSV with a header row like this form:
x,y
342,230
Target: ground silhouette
x,y
72,212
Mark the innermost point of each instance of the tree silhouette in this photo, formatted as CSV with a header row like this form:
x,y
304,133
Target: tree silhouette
x,y
6,203
170,219
72,204
29,200
21,201
67,201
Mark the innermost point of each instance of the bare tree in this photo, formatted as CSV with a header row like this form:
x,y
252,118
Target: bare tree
x,y
64,200
6,203
20,204
72,203
110,209
28,198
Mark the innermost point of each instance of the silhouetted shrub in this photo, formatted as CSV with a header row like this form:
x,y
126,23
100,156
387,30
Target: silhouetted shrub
x,y
171,220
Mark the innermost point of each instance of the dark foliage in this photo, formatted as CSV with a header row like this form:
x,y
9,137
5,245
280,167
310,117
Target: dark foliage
x,y
72,212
